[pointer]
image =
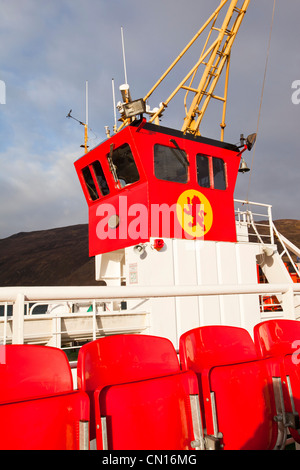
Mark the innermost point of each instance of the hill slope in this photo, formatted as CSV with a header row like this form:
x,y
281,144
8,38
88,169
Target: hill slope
x,y
60,256
47,258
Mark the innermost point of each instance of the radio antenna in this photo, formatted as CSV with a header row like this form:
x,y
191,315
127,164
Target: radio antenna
x,y
86,116
114,105
85,124
124,59
87,103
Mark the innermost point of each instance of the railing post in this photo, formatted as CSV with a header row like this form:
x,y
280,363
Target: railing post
x,y
288,303
55,341
5,324
94,321
271,224
18,320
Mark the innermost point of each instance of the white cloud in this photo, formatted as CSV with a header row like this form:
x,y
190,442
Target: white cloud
x,y
36,196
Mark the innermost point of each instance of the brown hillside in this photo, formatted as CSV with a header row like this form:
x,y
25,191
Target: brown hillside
x,y
60,256
290,228
47,257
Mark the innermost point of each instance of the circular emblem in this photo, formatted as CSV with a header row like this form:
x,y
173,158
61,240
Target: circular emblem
x,y
194,213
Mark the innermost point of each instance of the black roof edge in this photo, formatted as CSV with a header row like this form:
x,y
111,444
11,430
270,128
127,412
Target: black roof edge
x,y
176,133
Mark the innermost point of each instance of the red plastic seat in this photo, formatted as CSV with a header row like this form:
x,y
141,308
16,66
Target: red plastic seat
x,y
140,399
278,341
238,408
38,407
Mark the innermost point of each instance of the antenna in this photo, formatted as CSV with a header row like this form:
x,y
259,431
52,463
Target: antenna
x,y
87,102
124,59
86,119
114,105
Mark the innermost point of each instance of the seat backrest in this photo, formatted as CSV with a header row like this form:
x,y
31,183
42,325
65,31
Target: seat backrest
x,y
214,345
241,390
226,363
276,337
124,358
44,423
277,342
149,414
28,371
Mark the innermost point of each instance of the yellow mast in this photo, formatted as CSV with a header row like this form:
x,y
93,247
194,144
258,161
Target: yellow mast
x,y
214,57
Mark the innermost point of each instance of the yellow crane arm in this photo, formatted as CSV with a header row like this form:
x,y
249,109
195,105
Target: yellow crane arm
x,y
214,57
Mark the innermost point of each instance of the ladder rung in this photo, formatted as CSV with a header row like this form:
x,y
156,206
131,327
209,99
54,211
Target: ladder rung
x,y
204,93
216,29
194,90
220,98
227,31
215,97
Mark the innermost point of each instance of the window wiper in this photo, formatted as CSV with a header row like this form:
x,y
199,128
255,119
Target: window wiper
x,y
112,167
182,154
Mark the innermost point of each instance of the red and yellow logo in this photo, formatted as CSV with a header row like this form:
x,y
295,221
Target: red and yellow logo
x,y
194,213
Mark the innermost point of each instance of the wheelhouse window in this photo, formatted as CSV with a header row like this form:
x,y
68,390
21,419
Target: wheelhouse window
x,y
95,180
101,180
170,164
219,173
211,172
123,165
203,175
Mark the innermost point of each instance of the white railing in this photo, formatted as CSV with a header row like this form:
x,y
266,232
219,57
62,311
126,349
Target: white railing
x,y
247,211
70,314
19,297
288,247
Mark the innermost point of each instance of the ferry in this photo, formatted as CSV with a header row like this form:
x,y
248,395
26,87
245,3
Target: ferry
x,y
191,341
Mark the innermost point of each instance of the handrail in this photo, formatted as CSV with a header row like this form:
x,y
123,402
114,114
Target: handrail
x,y
9,294
246,217
287,245
19,296
250,218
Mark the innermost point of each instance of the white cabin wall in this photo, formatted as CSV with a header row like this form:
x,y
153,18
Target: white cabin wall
x,y
247,274
152,268
185,268
210,308
184,262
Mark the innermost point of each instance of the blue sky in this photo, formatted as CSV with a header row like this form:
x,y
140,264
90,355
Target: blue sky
x,y
49,49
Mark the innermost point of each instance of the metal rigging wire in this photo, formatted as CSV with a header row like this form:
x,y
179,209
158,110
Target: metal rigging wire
x,y
261,98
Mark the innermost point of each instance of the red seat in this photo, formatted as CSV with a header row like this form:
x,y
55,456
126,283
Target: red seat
x,y
278,341
238,408
38,407
140,399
